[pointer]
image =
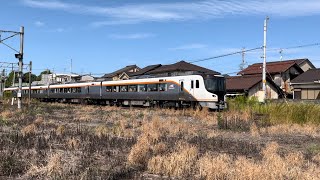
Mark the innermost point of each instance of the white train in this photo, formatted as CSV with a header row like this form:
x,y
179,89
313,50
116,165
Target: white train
x,y
176,91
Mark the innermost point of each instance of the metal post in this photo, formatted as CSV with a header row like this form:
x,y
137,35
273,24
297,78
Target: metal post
x,y
70,70
19,94
264,58
14,78
30,73
2,83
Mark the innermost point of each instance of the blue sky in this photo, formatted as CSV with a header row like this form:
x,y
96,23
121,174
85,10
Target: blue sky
x,y
101,36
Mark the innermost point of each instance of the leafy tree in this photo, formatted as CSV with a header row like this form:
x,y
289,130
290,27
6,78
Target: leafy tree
x,y
12,74
25,77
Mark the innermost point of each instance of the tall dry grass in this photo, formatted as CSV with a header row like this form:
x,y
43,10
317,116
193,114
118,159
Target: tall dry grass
x,y
187,162
179,163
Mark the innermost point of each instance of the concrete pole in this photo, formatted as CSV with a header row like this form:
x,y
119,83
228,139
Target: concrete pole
x,y
19,94
264,81
30,73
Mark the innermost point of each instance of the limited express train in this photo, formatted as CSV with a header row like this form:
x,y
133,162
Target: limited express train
x,y
176,91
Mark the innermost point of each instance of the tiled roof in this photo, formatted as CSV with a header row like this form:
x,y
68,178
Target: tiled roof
x,y
242,83
125,69
272,67
183,66
308,77
146,70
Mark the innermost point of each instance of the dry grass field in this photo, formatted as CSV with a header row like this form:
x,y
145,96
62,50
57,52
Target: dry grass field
x,y
62,141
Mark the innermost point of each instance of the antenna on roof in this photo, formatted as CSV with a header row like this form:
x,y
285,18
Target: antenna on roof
x,y
281,56
243,63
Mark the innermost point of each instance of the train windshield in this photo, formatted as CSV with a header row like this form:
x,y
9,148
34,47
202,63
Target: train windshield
x,y
215,84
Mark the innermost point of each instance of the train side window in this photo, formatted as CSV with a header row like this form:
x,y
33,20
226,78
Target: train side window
x,y
123,88
133,88
162,87
181,87
109,88
197,84
152,87
142,88
191,84
115,89
74,90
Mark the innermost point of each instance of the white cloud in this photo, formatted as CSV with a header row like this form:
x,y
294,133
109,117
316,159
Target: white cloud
x,y
131,36
60,30
179,11
39,24
189,47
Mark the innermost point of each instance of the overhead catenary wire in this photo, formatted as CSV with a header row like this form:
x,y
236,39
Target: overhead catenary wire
x,y
295,47
254,49
225,55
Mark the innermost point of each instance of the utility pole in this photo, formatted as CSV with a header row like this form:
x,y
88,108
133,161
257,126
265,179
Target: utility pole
x,y
14,78
70,70
264,58
20,57
30,81
2,84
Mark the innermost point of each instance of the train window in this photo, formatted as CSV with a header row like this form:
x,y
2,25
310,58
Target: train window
x,y
152,87
123,88
197,84
109,88
162,87
79,90
143,88
73,90
115,89
133,88
191,84
181,87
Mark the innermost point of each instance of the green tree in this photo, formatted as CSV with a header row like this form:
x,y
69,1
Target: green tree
x,y
25,77
9,80
47,71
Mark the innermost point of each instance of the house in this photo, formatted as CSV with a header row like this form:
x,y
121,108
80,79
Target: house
x,y
251,86
305,64
121,74
307,85
55,78
87,78
179,69
281,72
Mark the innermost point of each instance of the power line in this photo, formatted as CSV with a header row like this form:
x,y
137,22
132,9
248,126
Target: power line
x,y
254,49
225,55
294,47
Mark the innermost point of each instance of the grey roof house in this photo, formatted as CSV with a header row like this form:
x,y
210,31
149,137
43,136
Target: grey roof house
x,y
307,85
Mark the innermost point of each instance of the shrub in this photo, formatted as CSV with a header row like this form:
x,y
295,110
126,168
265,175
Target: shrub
x,y
29,130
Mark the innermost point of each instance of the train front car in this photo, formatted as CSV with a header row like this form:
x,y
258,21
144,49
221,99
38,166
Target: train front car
x,y
216,85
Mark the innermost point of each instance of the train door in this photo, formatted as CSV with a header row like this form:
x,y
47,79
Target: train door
x,y
192,86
